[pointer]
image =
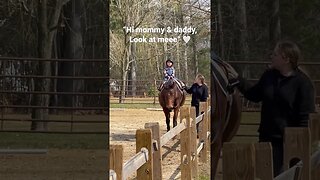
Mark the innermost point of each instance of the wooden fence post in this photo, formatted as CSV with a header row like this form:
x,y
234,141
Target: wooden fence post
x,y
315,138
193,143
112,175
209,123
203,127
144,139
315,128
116,159
157,160
264,162
209,114
238,161
297,145
185,144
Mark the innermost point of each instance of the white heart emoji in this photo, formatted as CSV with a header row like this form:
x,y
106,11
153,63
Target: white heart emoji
x,y
186,38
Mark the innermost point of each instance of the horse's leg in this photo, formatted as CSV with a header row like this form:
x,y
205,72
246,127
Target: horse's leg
x,y
175,116
167,114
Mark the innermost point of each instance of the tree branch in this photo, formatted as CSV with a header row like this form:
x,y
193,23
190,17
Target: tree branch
x,y
54,19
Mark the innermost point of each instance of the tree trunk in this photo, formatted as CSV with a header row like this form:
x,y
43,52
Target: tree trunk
x,y
133,70
46,31
241,25
194,55
159,64
123,83
125,66
56,73
178,54
220,31
43,69
73,50
274,27
184,46
186,62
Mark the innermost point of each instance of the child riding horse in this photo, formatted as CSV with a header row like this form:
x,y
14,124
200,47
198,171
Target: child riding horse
x,y
169,73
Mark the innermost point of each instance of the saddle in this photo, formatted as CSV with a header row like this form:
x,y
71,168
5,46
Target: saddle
x,y
180,84
226,76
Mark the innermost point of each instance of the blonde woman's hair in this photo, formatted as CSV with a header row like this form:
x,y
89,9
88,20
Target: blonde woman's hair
x,y
201,77
291,51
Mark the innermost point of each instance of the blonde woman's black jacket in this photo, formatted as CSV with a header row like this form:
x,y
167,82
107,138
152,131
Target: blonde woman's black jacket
x,y
286,101
199,93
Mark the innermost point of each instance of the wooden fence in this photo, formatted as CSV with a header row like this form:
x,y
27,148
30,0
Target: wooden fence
x,y
147,161
254,161
84,94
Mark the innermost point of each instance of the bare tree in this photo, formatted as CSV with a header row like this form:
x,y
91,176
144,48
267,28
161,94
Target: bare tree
x,y
47,27
148,58
132,14
242,33
72,48
274,26
220,30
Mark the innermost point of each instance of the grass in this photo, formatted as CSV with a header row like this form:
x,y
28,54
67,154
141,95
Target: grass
x,y
135,106
142,100
56,141
140,103
52,141
58,126
201,177
89,141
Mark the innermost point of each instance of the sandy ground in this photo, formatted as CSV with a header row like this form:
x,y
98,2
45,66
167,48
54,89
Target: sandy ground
x,y
55,165
123,126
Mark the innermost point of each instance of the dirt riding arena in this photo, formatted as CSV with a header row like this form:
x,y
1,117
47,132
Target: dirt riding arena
x,y
123,126
56,164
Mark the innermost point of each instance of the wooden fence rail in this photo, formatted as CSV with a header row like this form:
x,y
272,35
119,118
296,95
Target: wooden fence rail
x,y
254,161
147,162
135,163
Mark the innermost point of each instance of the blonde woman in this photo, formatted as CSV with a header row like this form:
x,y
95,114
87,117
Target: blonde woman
x,y
199,91
287,96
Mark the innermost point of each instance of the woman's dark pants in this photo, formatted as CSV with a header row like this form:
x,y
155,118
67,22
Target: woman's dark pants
x,y
277,153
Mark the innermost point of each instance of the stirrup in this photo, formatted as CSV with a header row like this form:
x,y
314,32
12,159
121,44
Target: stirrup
x,y
232,84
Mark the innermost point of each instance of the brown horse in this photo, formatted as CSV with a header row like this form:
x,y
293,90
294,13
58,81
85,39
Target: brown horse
x,y
171,98
226,111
